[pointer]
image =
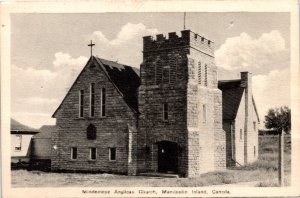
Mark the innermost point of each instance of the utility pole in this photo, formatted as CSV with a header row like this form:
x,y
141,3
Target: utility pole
x,y
281,158
184,20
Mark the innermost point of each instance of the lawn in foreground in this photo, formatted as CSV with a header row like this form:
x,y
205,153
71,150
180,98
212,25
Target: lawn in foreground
x,y
264,171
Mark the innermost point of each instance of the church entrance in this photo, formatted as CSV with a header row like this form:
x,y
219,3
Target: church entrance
x,y
167,157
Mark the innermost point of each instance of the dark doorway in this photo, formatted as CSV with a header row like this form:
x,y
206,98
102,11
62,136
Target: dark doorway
x,y
167,157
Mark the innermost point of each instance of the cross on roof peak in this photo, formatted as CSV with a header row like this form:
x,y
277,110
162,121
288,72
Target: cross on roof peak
x,y
91,45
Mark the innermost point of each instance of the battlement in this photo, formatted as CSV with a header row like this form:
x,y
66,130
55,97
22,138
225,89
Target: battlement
x,y
187,38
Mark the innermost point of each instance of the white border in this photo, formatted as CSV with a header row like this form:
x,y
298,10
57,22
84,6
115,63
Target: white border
x,y
146,6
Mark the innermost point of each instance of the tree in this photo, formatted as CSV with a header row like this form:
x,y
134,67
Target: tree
x,y
279,119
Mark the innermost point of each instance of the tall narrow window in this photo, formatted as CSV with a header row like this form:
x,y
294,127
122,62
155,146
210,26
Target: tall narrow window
x,y
199,73
18,143
165,111
205,77
204,113
103,102
93,153
81,100
241,134
166,75
92,99
112,154
254,151
74,153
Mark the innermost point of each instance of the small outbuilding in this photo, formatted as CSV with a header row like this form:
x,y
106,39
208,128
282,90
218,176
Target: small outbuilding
x,y
21,141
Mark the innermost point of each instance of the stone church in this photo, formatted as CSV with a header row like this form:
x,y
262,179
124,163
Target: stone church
x,y
166,117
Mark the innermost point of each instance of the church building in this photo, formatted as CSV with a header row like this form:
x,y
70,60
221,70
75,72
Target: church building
x,y
166,117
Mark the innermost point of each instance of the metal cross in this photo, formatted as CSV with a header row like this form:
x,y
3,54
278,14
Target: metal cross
x,y
91,45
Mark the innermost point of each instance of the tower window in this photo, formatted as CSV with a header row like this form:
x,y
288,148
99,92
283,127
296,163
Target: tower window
x,y
254,126
205,73
199,72
103,102
166,75
81,100
92,99
93,153
112,154
165,111
204,113
74,153
254,151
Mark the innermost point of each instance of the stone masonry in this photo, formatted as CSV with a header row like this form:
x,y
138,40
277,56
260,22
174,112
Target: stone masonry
x,y
188,93
168,117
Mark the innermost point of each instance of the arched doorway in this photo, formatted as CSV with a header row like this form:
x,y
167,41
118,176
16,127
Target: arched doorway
x,y
167,157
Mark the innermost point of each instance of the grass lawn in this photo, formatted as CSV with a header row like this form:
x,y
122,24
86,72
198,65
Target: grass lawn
x,y
263,172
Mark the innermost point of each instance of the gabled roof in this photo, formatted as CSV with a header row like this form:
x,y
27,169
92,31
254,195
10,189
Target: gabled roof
x,y
125,79
232,93
46,131
17,127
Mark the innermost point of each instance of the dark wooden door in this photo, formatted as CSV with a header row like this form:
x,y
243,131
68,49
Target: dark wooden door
x,y
167,157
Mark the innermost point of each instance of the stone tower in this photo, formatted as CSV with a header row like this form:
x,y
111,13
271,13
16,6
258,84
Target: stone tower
x,y
180,125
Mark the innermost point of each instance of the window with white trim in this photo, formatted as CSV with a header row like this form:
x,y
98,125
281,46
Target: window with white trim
x,y
92,99
103,102
74,153
93,153
81,100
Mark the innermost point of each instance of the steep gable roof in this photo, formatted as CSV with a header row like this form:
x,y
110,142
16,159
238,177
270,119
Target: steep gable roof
x,y
125,79
232,93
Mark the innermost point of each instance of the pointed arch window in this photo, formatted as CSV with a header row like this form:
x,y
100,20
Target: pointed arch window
x,y
91,132
166,75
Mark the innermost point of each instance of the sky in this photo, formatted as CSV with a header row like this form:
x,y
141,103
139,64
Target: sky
x,y
48,51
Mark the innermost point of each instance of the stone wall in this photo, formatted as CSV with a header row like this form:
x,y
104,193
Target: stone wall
x,y
190,59
112,130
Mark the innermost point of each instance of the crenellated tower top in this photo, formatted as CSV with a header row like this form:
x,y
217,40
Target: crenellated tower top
x,y
187,39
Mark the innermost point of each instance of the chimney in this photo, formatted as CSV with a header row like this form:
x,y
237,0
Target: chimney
x,y
246,82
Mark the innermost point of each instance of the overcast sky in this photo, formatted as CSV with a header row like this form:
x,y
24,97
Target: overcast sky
x,y
49,50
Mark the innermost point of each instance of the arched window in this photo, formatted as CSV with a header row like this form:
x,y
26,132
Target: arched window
x,y
166,74
91,132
